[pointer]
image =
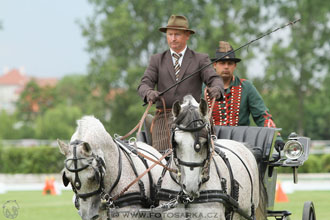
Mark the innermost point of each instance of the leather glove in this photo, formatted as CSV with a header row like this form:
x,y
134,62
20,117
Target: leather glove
x,y
279,143
152,96
214,92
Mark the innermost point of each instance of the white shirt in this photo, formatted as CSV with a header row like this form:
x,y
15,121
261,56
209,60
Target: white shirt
x,y
181,58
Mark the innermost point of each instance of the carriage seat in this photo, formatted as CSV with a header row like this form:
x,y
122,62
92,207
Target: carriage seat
x,y
259,139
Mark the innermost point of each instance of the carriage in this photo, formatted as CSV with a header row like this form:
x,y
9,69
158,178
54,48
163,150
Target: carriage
x,y
269,159
294,154
88,171
261,141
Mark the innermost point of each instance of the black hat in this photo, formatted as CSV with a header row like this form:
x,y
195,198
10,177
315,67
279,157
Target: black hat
x,y
225,47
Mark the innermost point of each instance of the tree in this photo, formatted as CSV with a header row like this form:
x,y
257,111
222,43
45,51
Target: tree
x,y
59,122
123,34
7,125
318,112
35,100
297,62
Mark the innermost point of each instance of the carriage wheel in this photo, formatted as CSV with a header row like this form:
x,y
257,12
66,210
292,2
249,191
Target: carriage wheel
x,y
308,211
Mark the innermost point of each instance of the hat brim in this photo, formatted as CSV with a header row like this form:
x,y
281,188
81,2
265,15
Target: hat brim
x,y
236,60
164,29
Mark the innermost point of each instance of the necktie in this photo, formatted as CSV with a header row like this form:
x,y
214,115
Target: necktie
x,y
176,65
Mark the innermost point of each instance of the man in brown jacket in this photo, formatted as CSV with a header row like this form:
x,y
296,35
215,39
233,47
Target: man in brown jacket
x,y
171,66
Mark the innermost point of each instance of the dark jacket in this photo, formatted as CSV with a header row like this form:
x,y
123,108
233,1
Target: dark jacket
x,y
160,73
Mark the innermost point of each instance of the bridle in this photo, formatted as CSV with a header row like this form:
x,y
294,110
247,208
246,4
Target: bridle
x,y
195,126
99,171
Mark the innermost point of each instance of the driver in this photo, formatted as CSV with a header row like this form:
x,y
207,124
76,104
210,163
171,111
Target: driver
x,y
169,67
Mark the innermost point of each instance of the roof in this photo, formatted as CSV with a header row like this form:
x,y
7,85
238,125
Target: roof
x,y
14,77
17,78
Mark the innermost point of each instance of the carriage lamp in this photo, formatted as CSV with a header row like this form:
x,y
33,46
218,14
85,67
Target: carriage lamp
x,y
293,150
296,150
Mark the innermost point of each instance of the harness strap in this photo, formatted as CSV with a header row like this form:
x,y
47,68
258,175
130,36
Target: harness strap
x,y
128,199
250,176
233,191
160,180
151,159
234,187
223,181
119,171
140,183
77,181
206,196
140,176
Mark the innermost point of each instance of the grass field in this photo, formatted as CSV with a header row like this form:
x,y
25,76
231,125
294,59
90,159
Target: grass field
x,y
321,200
35,206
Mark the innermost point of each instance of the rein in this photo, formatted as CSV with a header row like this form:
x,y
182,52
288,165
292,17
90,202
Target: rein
x,y
139,125
140,176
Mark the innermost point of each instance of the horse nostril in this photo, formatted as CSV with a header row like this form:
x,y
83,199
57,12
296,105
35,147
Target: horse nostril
x,y
95,217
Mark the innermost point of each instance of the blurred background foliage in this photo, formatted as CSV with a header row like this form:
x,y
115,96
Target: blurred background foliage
x,y
289,68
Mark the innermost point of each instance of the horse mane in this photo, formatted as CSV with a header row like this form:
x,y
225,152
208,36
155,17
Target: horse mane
x,y
91,130
88,123
187,114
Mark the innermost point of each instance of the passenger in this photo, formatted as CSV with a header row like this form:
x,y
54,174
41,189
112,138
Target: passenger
x,y
169,67
241,98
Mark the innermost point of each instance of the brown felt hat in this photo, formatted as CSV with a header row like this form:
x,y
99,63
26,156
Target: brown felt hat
x,y
224,48
177,22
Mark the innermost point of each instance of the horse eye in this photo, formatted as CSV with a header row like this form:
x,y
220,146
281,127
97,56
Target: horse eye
x,y
92,177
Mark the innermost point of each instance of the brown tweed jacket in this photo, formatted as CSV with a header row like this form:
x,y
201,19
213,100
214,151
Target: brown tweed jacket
x,y
160,73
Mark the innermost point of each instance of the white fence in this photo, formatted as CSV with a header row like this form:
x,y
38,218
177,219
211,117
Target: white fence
x,y
28,142
317,146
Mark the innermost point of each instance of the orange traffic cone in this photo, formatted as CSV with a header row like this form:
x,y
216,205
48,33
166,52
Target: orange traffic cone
x,y
49,187
280,195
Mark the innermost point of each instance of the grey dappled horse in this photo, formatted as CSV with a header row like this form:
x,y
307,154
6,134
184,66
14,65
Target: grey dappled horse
x,y
98,168
209,178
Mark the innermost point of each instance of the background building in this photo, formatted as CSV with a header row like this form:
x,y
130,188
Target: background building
x,y
12,83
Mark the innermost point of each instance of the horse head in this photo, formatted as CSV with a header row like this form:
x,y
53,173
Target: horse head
x,y
85,170
191,144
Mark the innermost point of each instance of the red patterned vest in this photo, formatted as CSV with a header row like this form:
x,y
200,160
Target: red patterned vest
x,y
226,112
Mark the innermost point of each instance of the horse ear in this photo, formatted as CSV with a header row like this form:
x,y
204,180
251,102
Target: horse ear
x,y
64,148
203,108
176,108
87,148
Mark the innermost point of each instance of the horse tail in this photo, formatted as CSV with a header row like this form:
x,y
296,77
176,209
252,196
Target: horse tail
x,y
261,212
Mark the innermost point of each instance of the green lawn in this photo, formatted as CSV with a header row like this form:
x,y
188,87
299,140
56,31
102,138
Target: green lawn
x,y
321,200
35,206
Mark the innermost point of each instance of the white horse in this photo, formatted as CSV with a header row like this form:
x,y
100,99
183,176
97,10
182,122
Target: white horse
x,y
216,182
99,169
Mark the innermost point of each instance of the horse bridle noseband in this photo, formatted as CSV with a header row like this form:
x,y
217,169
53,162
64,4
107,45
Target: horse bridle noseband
x,y
99,172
